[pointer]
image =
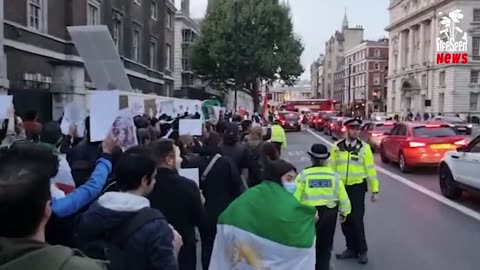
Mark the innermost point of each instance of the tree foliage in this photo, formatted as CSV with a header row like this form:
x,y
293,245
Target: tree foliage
x,y
259,43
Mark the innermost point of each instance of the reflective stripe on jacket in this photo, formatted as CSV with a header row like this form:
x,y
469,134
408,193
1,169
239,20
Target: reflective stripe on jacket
x,y
278,135
354,165
320,186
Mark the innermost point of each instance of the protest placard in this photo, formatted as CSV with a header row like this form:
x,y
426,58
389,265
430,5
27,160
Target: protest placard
x,y
191,127
6,106
192,174
104,109
123,130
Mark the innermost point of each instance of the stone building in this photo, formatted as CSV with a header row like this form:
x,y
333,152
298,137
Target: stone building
x,y
415,82
43,64
316,77
363,67
335,47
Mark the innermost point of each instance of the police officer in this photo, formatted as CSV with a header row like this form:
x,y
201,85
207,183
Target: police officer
x,y
353,160
320,187
278,136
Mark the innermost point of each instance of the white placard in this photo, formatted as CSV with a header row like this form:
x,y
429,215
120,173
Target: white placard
x,y
136,105
74,115
192,174
191,127
104,109
6,104
166,107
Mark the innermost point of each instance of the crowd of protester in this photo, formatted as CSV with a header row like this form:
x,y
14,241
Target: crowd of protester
x,y
63,197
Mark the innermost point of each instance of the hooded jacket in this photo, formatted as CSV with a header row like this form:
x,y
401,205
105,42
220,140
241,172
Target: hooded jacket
x,y
151,247
22,254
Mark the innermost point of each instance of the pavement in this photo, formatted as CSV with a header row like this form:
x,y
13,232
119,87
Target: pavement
x,y
412,226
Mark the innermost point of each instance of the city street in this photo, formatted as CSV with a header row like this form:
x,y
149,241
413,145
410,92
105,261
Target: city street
x,y
413,226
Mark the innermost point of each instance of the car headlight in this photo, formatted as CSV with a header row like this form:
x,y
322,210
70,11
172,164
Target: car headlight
x,y
469,125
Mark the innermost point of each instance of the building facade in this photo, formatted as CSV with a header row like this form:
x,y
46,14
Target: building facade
x,y
415,82
363,76
41,55
335,47
187,31
316,77
283,93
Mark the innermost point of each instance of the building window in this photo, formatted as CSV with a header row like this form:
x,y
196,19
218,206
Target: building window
x,y
474,76
168,57
424,81
138,2
476,48
136,45
476,15
376,79
441,79
441,102
93,13
36,14
377,66
153,10
153,54
169,20
117,32
377,53
474,102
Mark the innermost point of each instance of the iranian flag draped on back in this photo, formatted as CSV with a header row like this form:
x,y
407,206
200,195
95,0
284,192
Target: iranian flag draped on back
x,y
266,228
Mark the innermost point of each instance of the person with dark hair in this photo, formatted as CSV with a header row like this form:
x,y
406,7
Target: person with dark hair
x,y
221,184
270,202
246,129
83,156
236,151
25,198
51,136
270,151
178,198
12,130
144,136
32,125
150,243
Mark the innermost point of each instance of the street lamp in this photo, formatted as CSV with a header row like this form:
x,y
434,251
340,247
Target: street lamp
x,y
237,69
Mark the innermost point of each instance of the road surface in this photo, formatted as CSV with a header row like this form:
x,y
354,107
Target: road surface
x,y
412,227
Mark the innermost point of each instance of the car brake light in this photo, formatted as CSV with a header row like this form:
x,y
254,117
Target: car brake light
x,y
388,124
416,144
331,125
377,134
283,122
344,129
432,126
461,142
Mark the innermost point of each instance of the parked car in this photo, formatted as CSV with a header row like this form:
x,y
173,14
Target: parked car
x,y
458,170
373,133
460,125
290,121
412,144
338,129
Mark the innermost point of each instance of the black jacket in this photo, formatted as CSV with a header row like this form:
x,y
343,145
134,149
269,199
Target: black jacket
x,y
222,185
178,198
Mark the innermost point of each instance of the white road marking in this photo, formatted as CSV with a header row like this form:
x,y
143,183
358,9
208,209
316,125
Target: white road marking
x,y
465,210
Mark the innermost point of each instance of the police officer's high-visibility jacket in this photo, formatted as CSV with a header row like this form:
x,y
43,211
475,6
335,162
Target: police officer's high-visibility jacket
x,y
278,135
354,165
320,186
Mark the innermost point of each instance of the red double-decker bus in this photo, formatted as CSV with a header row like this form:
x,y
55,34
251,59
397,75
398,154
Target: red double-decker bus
x,y
313,105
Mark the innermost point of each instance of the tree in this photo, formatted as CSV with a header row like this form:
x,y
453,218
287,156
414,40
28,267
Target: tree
x,y
259,44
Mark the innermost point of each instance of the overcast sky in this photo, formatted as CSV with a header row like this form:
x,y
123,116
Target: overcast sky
x,y
316,20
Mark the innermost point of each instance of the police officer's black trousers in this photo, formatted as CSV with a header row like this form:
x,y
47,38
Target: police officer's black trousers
x,y
353,228
325,232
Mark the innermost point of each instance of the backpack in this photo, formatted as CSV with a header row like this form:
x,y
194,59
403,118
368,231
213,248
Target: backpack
x,y
111,246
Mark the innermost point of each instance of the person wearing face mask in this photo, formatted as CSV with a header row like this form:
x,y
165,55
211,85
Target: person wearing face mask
x,y
267,217
353,160
320,187
178,198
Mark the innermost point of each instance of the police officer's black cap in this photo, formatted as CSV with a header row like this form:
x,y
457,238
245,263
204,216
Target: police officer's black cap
x,y
319,151
353,123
